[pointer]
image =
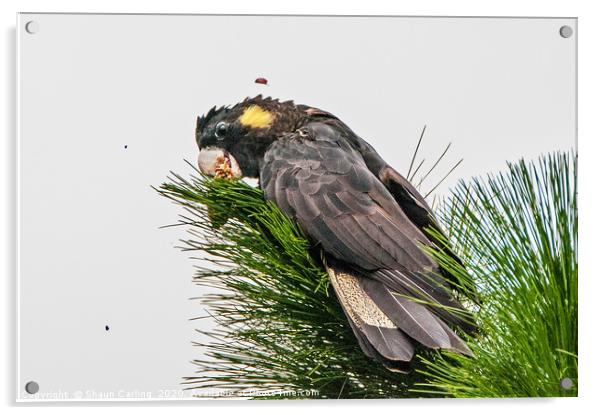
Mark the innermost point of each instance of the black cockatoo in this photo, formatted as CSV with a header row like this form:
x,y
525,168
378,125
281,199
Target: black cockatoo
x,y
368,220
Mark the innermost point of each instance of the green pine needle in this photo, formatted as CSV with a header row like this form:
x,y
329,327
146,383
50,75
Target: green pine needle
x,y
517,232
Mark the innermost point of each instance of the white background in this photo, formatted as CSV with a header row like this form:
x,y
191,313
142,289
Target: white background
x,y
91,249
589,134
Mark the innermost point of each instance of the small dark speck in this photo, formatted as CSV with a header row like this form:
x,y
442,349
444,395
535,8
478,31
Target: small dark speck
x,y
261,81
125,146
107,328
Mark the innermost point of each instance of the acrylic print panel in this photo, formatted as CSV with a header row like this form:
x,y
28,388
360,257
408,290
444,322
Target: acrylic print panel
x,y
108,106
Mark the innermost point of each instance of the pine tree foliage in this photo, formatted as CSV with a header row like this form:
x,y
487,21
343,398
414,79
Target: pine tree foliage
x,y
281,331
280,327
517,232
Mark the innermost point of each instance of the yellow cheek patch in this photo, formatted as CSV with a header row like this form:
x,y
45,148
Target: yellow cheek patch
x,y
256,117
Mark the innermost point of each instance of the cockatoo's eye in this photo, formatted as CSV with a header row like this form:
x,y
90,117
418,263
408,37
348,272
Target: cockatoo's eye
x,y
220,130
